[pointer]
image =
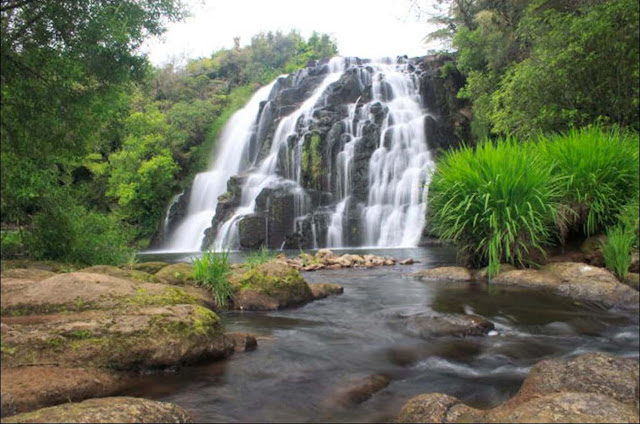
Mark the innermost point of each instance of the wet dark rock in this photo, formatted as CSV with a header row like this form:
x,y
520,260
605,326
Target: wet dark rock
x,y
358,391
322,290
252,231
346,90
431,325
242,342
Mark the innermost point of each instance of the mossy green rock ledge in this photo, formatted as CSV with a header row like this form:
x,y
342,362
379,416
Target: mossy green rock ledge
x,y
272,285
107,410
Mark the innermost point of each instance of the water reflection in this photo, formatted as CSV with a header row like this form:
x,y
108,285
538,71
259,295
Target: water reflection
x,y
306,355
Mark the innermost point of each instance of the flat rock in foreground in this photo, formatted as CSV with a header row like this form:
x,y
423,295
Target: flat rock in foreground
x,y
107,410
28,388
590,388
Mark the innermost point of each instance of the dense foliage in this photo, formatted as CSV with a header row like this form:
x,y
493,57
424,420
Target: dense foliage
x,y
545,65
95,141
504,200
497,202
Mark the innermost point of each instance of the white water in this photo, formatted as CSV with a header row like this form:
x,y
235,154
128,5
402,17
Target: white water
x,y
232,150
399,169
399,173
266,175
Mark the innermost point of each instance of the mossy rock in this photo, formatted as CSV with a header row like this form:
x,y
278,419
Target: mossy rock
x,y
79,291
107,410
130,274
149,267
177,274
272,285
137,339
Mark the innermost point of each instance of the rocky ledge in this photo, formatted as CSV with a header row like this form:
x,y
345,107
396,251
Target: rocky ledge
x,y
576,280
590,388
71,336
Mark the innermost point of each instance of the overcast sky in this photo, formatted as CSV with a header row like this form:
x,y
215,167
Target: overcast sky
x,y
364,28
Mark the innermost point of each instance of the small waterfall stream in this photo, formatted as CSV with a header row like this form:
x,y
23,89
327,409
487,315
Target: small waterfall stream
x,y
369,175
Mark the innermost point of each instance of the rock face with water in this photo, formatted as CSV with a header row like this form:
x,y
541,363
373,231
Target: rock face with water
x,y
595,387
337,154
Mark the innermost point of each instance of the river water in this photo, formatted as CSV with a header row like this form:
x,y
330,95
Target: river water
x,y
305,355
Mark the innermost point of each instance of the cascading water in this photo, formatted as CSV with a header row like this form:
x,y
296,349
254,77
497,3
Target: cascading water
x,y
338,151
234,145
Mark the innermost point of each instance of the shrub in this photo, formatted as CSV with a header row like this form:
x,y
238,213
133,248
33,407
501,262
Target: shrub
x,y
497,203
212,271
258,257
617,249
70,233
601,170
12,245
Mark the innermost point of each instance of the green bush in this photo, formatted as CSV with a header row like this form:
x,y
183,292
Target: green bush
x,y
497,203
617,249
70,233
258,257
212,271
12,245
600,169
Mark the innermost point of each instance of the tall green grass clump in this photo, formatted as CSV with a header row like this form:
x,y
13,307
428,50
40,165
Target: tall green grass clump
x,y
212,271
497,202
258,257
617,249
601,170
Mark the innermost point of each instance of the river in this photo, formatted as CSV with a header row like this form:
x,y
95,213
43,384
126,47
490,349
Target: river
x,y
306,354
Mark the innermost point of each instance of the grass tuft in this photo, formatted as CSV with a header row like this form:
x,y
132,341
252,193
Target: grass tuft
x,y
497,202
258,257
212,271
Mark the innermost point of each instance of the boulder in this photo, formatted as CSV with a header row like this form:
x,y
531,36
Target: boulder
x,y
445,274
594,387
408,261
635,262
252,231
269,286
52,266
428,325
27,388
436,408
177,274
123,339
322,290
633,280
592,284
107,410
528,279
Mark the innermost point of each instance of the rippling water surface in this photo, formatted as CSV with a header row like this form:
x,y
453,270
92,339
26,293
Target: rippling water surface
x,y
307,354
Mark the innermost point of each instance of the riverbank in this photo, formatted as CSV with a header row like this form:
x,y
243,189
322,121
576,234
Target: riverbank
x,y
313,360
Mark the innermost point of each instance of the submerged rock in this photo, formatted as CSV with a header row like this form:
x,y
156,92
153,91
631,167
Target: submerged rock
x,y
107,410
428,325
322,290
358,391
594,387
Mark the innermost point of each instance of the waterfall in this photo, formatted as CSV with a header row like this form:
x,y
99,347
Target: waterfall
x,y
335,155
232,148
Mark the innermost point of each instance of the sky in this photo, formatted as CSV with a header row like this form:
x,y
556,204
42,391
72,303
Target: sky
x,y
363,28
